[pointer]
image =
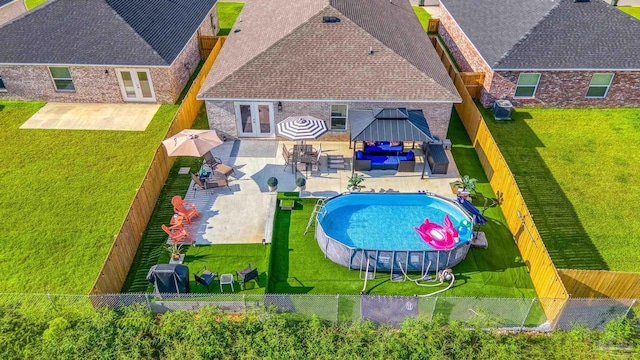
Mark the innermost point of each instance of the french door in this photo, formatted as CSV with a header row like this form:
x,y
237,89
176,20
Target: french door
x,y
254,119
136,85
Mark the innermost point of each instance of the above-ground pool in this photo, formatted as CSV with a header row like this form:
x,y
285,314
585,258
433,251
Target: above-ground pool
x,y
354,228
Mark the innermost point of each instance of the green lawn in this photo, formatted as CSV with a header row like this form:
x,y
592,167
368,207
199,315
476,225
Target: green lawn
x,y
631,10
577,169
217,258
299,266
423,16
65,195
227,14
33,3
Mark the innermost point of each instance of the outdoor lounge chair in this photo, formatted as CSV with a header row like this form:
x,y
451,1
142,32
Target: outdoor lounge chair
x,y
217,166
177,233
248,274
206,278
180,207
208,184
288,157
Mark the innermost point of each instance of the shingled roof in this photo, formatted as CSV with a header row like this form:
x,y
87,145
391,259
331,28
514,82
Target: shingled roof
x,y
549,34
294,54
103,32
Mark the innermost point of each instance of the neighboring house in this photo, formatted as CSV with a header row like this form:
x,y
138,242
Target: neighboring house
x,y
104,50
10,9
324,58
558,53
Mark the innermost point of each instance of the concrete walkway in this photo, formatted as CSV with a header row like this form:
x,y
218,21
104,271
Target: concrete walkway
x,y
243,213
74,116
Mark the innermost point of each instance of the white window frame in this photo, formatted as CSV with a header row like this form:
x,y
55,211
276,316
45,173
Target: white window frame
x,y
599,86
3,86
346,117
535,88
53,80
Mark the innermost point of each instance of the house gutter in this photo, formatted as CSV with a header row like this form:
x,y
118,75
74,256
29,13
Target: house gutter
x,y
328,100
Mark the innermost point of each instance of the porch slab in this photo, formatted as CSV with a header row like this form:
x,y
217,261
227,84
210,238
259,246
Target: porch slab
x,y
77,116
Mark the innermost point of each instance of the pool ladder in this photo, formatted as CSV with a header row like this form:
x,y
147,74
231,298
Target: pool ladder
x,y
317,208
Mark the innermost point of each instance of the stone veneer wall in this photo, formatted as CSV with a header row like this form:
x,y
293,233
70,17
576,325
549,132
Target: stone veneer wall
x,y
12,10
222,117
566,89
94,85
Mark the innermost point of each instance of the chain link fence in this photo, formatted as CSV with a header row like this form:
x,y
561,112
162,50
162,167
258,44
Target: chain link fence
x,y
515,314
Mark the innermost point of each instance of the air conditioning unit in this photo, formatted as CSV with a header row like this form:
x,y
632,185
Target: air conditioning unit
x,y
502,110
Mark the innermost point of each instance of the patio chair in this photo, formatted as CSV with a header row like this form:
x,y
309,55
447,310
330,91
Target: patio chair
x,y
177,233
217,166
187,210
315,162
248,274
205,278
288,157
208,184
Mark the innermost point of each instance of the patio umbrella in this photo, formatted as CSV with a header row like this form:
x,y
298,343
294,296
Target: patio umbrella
x,y
191,142
302,127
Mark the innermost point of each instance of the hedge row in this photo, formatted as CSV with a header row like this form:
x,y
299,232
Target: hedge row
x,y
135,333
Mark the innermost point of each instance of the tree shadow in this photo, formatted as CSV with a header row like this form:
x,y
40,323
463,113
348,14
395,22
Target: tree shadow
x,y
562,232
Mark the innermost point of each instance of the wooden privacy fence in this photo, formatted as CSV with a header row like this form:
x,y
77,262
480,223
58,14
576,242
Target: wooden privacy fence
x,y
473,81
601,284
544,275
125,244
206,43
432,27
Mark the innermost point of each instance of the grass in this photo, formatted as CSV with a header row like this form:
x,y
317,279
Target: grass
x,y
217,258
30,4
65,195
299,266
423,16
631,10
227,14
577,170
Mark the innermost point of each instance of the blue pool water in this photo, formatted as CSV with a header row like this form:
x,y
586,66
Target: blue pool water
x,y
386,221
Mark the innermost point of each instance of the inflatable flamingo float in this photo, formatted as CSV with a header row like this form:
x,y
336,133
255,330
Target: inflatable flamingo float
x,y
438,236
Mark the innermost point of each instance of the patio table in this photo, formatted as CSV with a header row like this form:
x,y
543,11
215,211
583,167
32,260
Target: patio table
x,y
301,153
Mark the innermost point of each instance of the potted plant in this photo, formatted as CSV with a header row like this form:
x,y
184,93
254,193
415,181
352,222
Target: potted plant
x,y
272,183
355,182
174,249
466,185
301,183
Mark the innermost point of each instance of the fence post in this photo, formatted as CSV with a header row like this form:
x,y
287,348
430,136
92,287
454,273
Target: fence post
x,y
146,297
533,301
630,307
337,307
433,311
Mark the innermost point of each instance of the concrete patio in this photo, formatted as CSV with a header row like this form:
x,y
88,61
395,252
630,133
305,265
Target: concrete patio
x,y
73,116
243,213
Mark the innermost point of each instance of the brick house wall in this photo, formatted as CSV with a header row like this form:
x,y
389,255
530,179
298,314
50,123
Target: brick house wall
x,y
99,84
566,89
12,10
222,116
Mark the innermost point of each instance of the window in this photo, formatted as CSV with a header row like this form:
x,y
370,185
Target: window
x,y
599,86
338,117
2,87
62,79
527,85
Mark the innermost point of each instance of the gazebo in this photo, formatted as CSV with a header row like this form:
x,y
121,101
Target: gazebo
x,y
389,125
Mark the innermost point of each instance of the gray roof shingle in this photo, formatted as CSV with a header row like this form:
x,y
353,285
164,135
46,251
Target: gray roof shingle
x,y
103,32
545,35
293,54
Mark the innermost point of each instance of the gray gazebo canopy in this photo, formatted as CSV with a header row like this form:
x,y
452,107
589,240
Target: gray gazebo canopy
x,y
389,124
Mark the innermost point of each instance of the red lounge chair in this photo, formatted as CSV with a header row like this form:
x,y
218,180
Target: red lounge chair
x,y
177,233
180,207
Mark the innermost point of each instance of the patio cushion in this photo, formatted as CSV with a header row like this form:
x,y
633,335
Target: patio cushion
x,y
359,155
410,155
383,146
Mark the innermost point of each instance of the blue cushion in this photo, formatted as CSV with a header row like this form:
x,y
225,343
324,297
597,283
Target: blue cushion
x,y
410,155
358,155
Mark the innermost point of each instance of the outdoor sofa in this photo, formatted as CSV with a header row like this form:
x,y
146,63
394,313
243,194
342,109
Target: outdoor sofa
x,y
385,160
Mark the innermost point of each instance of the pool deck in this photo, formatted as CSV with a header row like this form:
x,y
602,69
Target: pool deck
x,y
243,213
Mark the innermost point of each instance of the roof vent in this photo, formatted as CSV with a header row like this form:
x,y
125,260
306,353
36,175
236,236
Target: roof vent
x,y
330,19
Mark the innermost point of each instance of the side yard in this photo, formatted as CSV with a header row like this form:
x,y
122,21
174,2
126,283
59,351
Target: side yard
x,y
577,169
64,196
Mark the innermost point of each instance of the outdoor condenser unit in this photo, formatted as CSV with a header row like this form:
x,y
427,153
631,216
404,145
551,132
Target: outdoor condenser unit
x,y
502,110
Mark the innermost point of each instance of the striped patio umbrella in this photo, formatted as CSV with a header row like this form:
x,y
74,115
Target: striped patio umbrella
x,y
191,142
302,127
